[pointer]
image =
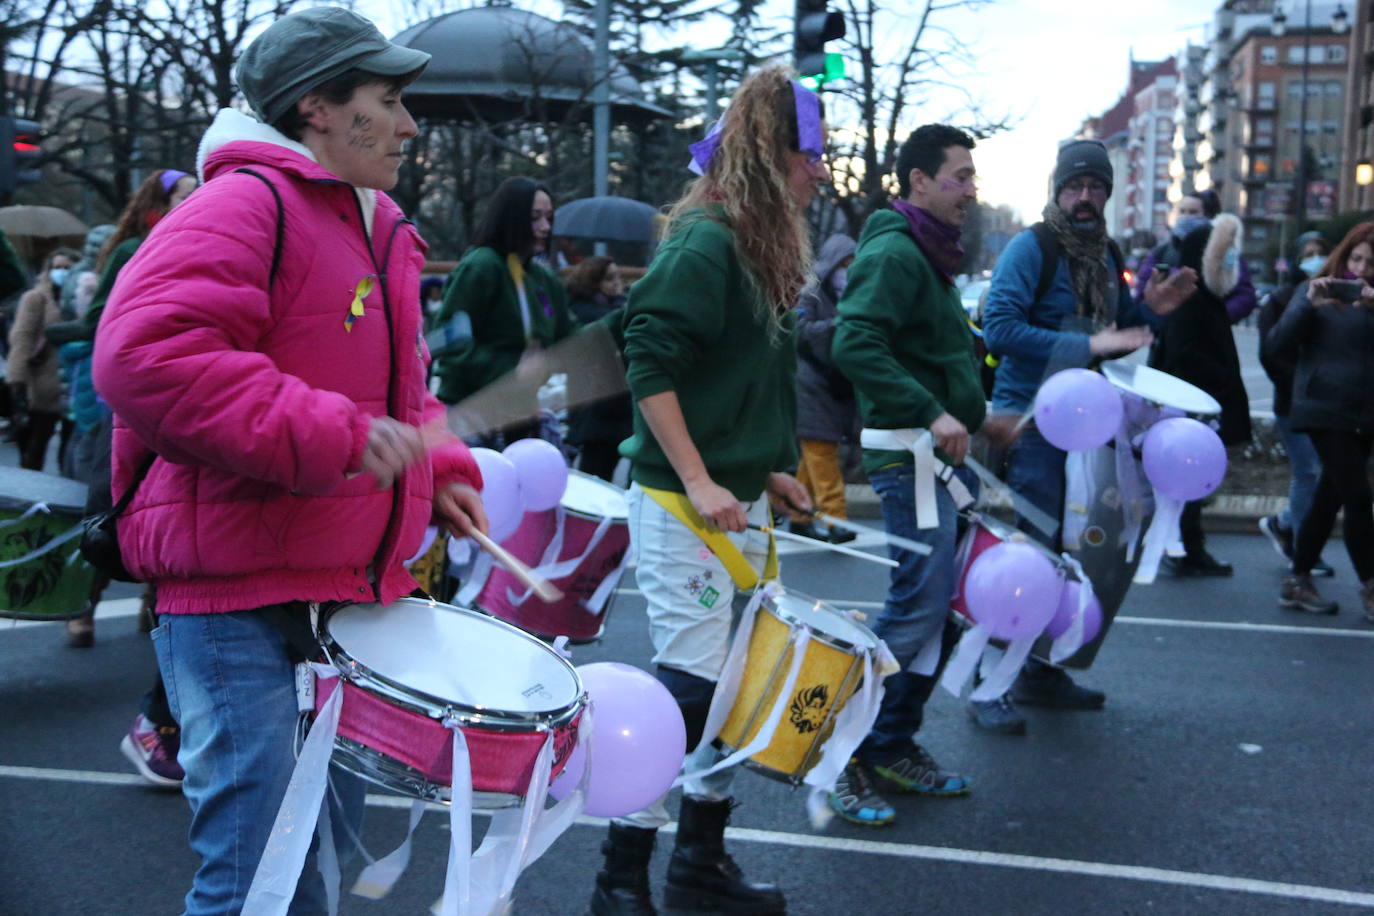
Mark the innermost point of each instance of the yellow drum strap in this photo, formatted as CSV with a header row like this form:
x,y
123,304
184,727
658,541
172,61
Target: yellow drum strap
x,y
731,557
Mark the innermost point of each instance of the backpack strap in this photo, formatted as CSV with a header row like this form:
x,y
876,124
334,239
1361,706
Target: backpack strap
x,y
281,222
1049,258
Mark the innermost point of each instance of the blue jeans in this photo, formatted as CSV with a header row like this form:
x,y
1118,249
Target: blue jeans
x,y
1035,470
231,685
1304,469
917,606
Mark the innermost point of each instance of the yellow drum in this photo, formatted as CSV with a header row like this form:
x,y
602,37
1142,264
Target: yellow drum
x,y
831,672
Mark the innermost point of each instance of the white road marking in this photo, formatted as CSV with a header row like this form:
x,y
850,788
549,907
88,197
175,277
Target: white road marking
x,y
1108,870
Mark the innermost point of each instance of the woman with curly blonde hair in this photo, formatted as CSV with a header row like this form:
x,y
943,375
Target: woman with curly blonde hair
x,y
710,363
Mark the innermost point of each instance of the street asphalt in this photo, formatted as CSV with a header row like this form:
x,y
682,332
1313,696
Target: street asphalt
x,y
1228,774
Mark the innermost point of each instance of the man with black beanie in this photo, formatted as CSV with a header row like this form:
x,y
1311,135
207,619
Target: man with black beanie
x,y
1058,301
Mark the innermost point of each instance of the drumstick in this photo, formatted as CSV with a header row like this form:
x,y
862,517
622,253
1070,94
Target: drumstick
x,y
893,539
545,589
849,551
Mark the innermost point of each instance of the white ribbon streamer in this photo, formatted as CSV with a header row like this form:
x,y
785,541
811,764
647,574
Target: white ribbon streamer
x,y
727,687
379,877
1162,530
926,467
431,532
1004,675
851,725
279,869
1071,640
966,655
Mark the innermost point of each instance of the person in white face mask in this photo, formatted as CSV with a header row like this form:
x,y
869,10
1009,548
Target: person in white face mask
x,y
32,370
1304,465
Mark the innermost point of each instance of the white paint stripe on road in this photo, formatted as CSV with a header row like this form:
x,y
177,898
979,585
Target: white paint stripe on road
x,y
872,847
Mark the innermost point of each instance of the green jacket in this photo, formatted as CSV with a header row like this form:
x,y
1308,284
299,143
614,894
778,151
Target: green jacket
x,y
903,338
691,327
482,286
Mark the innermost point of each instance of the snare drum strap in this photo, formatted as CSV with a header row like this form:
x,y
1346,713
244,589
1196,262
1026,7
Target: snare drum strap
x,y
928,469
731,557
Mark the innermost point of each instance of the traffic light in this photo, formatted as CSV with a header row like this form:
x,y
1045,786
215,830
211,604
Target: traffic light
x,y
813,25
20,150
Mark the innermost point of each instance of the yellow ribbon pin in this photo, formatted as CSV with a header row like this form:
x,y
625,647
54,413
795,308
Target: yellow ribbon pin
x,y
355,308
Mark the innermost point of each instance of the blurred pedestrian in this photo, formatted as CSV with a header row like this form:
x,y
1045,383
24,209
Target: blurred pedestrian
x,y
516,306
1304,467
1195,343
826,413
596,290
1328,331
260,358
78,292
32,370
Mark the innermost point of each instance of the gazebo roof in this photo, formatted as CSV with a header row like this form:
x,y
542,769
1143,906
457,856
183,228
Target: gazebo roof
x,y
493,60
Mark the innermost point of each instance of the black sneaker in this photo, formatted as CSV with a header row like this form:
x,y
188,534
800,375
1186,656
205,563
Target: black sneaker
x,y
1201,563
857,800
1322,569
840,535
1279,536
1052,687
806,530
918,772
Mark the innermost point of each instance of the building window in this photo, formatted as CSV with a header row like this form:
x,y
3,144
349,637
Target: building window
x,y
1295,54
1314,90
1269,55
1331,128
1294,89
1335,54
1333,90
1265,92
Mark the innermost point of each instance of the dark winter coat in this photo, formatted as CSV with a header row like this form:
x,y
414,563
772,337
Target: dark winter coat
x,y
1333,386
1278,367
611,420
1195,342
825,398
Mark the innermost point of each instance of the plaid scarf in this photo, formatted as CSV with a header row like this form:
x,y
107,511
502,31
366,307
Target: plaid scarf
x,y
1090,273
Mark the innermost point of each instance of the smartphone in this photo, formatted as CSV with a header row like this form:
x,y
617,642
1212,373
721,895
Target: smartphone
x,y
1345,290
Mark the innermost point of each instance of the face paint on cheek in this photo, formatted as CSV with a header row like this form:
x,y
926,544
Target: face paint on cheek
x,y
949,184
358,133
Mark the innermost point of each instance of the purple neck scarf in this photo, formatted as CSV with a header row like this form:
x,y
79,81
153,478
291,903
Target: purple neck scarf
x,y
938,241
811,138
169,179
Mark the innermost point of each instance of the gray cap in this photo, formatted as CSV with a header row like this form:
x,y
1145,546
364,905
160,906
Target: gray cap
x,y
301,50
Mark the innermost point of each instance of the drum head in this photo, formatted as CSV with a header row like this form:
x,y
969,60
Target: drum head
x,y
455,655
1160,388
823,619
594,497
20,488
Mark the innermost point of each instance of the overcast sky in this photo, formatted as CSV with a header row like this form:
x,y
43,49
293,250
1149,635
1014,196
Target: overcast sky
x,y
1052,62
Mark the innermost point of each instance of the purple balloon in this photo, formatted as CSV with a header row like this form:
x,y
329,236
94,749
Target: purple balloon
x,y
1077,410
500,493
1183,458
1012,589
542,470
1068,609
638,741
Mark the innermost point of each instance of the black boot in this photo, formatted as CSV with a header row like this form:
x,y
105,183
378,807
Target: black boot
x,y
622,886
702,877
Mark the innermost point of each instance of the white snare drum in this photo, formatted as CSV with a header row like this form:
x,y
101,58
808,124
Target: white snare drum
x,y
831,671
1170,394
580,547
409,666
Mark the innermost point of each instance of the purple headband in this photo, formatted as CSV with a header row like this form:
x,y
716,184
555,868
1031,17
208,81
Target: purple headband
x,y
811,139
169,179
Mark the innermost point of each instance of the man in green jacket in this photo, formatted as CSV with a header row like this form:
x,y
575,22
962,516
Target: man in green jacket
x,y
903,340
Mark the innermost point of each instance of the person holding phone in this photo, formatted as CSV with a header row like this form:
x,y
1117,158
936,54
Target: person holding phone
x,y
1328,329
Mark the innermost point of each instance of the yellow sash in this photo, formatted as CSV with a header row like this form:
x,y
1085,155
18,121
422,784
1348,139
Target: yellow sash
x,y
731,557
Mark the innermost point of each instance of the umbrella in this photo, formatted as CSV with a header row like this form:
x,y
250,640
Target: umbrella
x,y
608,219
39,222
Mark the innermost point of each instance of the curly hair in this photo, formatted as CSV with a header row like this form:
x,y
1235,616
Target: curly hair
x,y
149,204
748,178
1335,263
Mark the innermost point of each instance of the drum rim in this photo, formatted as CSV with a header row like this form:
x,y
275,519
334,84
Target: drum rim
x,y
592,478
835,642
380,769
1112,368
982,519
440,708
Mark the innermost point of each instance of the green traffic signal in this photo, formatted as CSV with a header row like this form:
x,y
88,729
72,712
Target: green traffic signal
x,y
833,70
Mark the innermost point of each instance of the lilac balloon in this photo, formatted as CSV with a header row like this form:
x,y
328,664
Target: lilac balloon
x,y
1068,609
1183,458
638,741
543,473
1012,589
500,493
1077,410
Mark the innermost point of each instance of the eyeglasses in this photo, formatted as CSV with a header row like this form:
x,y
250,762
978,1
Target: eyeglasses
x,y
1075,188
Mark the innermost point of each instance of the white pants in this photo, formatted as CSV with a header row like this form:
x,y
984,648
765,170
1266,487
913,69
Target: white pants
x,y
693,605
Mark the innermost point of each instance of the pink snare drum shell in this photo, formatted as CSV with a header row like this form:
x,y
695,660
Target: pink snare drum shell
x,y
983,534
588,504
410,665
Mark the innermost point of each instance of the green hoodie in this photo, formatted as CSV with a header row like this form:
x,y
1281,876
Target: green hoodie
x,y
903,338
482,286
691,327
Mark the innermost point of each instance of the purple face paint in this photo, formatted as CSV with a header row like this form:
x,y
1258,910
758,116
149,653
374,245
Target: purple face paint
x,y
811,138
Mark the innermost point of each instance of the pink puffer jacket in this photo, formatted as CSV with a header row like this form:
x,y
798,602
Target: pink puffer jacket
x,y
257,402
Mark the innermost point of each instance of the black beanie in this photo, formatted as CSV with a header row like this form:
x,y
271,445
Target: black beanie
x,y
1082,157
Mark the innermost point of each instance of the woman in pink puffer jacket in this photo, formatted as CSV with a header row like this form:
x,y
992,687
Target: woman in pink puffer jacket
x,y
265,344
